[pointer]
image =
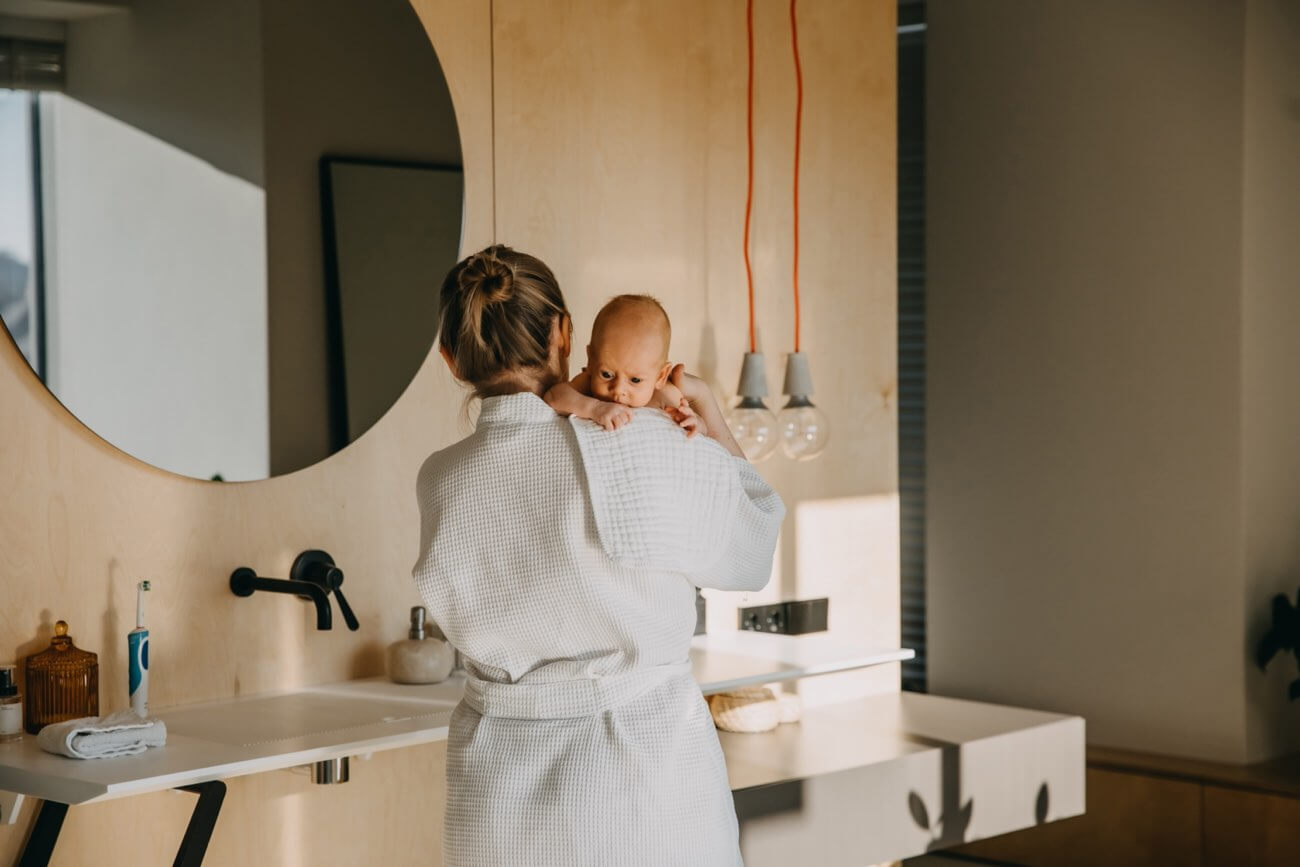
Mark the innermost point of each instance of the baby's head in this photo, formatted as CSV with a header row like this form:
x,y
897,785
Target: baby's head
x,y
627,358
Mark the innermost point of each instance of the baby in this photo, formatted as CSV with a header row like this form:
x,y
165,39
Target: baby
x,y
627,367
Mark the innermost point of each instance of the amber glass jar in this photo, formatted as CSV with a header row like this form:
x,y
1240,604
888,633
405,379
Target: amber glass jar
x,y
62,683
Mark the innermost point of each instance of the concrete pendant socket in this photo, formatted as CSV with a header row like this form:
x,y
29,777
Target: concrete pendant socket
x,y
753,378
798,379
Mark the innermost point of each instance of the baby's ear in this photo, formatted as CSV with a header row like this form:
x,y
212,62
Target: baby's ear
x,y
663,375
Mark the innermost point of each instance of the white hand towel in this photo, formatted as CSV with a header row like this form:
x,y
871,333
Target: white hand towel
x,y
118,734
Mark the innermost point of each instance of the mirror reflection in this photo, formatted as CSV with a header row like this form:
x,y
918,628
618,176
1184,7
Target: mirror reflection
x,y
174,263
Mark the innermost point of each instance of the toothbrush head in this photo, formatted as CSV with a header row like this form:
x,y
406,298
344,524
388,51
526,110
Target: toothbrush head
x,y
144,585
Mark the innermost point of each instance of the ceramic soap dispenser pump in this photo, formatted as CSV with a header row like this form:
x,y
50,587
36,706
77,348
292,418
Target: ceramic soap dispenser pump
x,y
420,659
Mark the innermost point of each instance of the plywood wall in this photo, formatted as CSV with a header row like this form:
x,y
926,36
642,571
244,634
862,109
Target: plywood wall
x,y
616,141
620,160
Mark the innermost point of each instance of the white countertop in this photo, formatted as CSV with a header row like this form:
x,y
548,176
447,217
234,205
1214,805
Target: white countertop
x,y
728,660
247,735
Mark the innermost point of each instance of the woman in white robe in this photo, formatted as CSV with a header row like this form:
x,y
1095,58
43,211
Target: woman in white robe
x,y
561,559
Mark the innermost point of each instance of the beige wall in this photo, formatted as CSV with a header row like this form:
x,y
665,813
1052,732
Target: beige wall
x,y
632,173
1104,454
620,161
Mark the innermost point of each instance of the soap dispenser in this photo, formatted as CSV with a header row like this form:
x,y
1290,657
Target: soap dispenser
x,y
419,659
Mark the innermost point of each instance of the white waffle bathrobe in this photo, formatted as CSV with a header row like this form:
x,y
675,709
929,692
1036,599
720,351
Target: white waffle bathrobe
x,y
562,559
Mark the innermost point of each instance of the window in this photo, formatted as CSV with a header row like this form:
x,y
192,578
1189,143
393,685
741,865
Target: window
x,y
20,261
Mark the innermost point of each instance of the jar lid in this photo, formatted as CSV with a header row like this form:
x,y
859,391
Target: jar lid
x,y
8,686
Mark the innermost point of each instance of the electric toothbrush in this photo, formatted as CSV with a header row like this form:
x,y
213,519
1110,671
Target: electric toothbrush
x,y
137,642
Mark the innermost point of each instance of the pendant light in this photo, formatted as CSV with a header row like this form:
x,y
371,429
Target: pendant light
x,y
804,428
755,427
751,422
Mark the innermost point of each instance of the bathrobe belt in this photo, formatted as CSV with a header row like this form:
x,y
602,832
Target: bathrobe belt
x,y
566,699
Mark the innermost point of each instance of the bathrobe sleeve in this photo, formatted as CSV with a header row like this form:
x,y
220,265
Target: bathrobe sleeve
x,y
661,501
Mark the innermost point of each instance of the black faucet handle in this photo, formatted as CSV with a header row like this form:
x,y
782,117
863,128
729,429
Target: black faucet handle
x,y
348,617
317,567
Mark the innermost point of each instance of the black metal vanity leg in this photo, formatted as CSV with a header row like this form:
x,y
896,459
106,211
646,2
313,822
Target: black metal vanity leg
x,y
202,822
45,833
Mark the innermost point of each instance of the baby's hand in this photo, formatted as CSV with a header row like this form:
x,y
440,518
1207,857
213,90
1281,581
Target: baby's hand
x,y
611,416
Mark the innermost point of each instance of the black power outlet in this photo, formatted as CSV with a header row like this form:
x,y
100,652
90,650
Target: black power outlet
x,y
786,618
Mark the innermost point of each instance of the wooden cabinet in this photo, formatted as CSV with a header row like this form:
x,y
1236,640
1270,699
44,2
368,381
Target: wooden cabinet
x,y
1131,819
1250,829
1167,812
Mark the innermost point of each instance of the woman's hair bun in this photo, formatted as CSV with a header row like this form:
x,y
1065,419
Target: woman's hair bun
x,y
497,310
486,276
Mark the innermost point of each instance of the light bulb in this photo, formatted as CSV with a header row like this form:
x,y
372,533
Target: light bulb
x,y
754,427
751,422
804,429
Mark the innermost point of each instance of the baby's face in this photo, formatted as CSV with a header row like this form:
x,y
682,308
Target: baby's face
x,y
626,365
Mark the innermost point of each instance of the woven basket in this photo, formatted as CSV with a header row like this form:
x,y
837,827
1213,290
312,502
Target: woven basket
x,y
751,709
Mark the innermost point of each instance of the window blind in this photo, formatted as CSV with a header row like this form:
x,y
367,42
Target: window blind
x,y
911,333
30,64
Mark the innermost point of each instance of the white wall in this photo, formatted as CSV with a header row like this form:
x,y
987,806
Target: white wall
x,y
156,235
155,295
1085,426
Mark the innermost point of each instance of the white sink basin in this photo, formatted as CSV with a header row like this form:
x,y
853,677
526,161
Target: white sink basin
x,y
312,712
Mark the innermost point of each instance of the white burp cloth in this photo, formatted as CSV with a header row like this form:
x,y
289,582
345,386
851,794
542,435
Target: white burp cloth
x,y
118,734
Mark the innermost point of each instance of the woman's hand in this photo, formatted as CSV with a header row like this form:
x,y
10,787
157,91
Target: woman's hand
x,y
691,386
701,400
687,419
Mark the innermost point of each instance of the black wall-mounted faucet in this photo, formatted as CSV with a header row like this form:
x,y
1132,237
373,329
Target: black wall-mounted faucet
x,y
313,576
244,582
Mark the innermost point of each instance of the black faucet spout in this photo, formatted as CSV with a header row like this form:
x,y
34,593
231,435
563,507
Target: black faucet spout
x,y
245,582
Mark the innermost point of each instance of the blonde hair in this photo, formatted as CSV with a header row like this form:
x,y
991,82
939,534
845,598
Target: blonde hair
x,y
644,305
496,312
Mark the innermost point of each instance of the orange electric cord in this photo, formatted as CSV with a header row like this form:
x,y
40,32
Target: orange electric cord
x,y
798,134
749,190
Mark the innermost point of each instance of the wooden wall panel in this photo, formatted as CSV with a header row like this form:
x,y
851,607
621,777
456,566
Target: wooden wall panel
x,y
619,158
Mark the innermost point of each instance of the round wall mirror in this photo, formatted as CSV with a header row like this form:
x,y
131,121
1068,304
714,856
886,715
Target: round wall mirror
x,y
223,225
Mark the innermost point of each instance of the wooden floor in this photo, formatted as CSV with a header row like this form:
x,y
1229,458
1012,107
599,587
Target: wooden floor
x,y
1149,810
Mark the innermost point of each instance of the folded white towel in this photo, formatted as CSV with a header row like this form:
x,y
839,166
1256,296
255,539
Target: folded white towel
x,y
118,734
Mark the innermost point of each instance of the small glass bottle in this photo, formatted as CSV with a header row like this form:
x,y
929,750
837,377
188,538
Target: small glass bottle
x,y
11,706
62,682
